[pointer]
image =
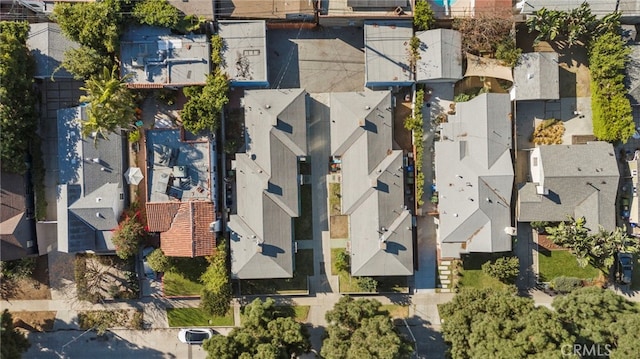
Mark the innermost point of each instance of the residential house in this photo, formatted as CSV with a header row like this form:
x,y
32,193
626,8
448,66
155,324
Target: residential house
x,y
17,226
356,12
372,184
474,177
91,193
576,180
152,57
536,77
271,10
386,52
268,184
440,56
245,52
181,182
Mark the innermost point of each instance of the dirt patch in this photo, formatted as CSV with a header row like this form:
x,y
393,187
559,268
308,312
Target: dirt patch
x,y
339,227
34,287
101,278
34,321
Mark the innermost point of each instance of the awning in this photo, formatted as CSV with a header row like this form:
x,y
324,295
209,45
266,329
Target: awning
x,y
485,67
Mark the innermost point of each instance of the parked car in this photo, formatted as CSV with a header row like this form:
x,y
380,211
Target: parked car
x,y
194,335
625,267
148,272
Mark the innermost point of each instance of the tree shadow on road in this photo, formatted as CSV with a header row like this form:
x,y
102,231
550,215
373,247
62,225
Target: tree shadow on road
x,y
429,342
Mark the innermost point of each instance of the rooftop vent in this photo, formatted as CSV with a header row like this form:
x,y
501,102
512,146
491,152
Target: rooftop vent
x,y
98,199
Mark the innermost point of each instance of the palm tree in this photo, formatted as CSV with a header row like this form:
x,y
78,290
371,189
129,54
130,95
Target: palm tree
x,y
112,104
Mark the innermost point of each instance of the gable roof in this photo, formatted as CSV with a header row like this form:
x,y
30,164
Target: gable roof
x,y
372,187
440,55
48,45
91,191
580,181
475,177
267,184
536,77
244,51
185,227
15,228
385,50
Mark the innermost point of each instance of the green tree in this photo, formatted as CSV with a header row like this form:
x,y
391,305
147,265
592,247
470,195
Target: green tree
x,y
572,235
508,52
263,334
593,314
97,25
156,13
216,295
423,16
84,62
18,119
342,261
158,261
13,342
504,269
217,47
128,237
492,323
112,104
204,105
625,337
359,329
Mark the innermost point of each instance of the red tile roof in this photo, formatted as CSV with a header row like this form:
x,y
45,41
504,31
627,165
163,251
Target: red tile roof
x,y
188,233
160,215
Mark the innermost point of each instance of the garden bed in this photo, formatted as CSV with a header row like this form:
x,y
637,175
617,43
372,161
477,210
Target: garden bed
x,y
196,317
101,320
100,278
35,286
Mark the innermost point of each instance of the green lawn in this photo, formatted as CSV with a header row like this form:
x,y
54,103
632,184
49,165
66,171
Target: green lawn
x,y
188,317
560,263
183,279
303,226
298,312
297,284
471,274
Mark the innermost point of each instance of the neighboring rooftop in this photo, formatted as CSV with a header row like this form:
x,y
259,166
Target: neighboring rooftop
x,y
365,8
48,45
267,184
275,9
386,46
244,52
16,235
372,186
154,58
440,56
91,197
571,180
179,169
186,228
475,177
600,8
536,77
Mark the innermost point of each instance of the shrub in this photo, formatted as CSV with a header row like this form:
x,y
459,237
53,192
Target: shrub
x,y
505,269
423,16
548,132
19,268
508,52
134,136
367,284
128,236
539,226
566,284
217,45
342,261
158,261
462,97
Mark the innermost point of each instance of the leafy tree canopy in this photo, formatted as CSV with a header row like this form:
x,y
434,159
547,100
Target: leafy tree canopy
x,y
202,110
423,16
158,261
359,329
97,24
13,342
216,295
156,13
128,236
18,120
499,324
263,334
112,104
84,62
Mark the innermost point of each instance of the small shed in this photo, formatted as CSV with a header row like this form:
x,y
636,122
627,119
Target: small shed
x,y
440,56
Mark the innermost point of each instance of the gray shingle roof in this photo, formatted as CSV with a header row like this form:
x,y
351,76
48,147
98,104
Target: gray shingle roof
x,y
386,44
372,187
440,56
48,45
581,180
267,184
475,177
245,51
536,77
91,194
